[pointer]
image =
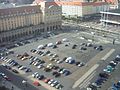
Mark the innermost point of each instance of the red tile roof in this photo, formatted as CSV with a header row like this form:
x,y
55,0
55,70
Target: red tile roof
x,y
112,1
72,3
22,9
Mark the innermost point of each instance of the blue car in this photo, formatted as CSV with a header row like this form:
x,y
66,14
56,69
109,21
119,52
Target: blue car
x,y
117,85
67,73
99,81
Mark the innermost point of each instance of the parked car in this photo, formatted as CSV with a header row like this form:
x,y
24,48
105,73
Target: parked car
x,y
117,58
34,74
100,80
54,46
100,48
59,61
104,75
51,81
79,64
83,48
74,46
59,86
58,42
28,70
47,69
91,87
65,40
15,71
50,45
117,85
89,45
41,77
56,74
47,80
36,83
40,66
54,83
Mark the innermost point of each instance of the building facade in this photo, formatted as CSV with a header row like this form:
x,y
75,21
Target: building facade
x,y
52,15
79,8
27,20
110,18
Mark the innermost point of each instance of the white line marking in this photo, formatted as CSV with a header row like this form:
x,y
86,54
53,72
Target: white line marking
x,y
108,54
86,82
80,80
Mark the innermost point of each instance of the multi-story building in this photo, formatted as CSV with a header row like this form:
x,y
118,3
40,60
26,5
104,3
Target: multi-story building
x,y
111,18
79,8
20,21
114,4
52,14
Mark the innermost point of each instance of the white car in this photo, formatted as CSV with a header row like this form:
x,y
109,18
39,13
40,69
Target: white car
x,y
34,74
8,60
40,46
36,63
54,83
55,55
51,81
50,66
40,66
59,61
50,45
65,40
89,88
118,56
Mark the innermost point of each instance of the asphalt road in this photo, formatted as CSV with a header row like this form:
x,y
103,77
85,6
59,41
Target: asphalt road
x,y
17,80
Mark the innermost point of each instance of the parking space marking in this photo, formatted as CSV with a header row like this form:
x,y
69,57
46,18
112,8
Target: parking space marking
x,y
80,80
87,81
108,54
48,87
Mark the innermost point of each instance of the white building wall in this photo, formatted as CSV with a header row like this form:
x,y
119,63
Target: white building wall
x,y
71,10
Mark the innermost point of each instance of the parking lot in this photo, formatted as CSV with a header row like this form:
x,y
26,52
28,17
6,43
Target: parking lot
x,y
63,59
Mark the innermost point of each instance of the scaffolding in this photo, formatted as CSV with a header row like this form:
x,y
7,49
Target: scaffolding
x,y
109,18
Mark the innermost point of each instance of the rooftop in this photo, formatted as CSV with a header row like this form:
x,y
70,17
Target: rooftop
x,y
20,10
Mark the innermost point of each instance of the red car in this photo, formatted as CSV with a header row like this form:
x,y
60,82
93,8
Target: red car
x,y
7,78
46,80
36,83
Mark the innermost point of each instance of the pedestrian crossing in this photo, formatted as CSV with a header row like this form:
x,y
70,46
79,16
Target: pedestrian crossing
x,y
86,82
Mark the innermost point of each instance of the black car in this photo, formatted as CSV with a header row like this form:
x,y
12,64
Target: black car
x,y
64,58
56,74
74,46
83,48
55,46
55,67
100,48
41,77
15,71
104,75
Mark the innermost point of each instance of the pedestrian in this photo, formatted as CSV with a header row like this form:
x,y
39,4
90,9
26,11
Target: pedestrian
x,y
113,41
12,88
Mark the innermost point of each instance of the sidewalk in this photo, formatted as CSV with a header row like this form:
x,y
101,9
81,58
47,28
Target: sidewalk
x,y
10,86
